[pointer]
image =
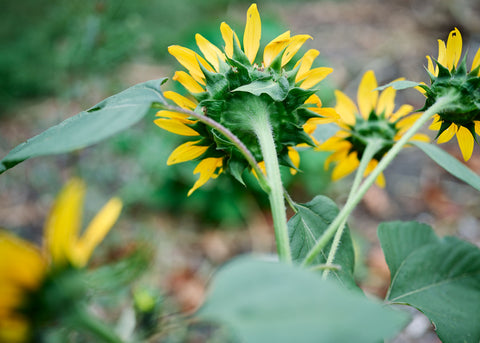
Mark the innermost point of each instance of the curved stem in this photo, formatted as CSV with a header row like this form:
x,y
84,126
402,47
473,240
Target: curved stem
x,y
384,162
231,137
372,147
264,133
87,321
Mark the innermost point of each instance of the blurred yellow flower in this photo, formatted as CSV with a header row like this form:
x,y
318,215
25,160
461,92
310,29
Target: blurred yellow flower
x,y
24,267
373,119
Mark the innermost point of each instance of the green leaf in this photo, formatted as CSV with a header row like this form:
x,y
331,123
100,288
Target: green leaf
x,y
105,119
440,277
450,164
277,90
308,224
399,85
274,302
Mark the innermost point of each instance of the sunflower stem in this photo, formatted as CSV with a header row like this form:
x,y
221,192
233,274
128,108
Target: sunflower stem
x,y
263,130
231,137
384,162
371,149
87,321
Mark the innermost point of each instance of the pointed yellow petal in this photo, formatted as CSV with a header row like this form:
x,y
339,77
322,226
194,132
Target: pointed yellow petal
x,y
262,167
206,168
186,152
182,117
295,44
305,64
420,137
345,166
345,107
314,76
465,142
386,102
227,35
380,180
477,127
314,99
335,143
430,67
366,96
454,48
210,51
442,55
476,61
337,156
295,158
447,134
405,123
188,82
401,112
436,124
275,47
96,232
190,60
63,223
180,100
21,263
176,126
253,32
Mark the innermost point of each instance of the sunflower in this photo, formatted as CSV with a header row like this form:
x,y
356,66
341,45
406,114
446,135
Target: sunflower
x,y
25,268
230,85
373,120
450,76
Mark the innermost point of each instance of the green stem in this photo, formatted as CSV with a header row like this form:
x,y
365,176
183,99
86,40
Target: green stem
x,y
384,162
89,322
372,147
264,133
231,137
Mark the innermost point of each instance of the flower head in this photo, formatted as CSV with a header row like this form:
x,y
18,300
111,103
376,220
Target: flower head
x,y
231,86
25,269
373,120
449,77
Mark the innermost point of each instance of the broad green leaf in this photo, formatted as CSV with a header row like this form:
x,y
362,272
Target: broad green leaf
x,y
402,238
308,224
450,163
274,302
277,90
440,278
103,120
399,85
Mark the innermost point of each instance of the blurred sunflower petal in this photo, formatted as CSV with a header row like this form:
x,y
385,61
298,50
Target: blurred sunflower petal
x,y
186,152
366,95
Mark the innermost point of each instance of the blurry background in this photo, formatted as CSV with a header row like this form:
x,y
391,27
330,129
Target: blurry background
x,y
59,57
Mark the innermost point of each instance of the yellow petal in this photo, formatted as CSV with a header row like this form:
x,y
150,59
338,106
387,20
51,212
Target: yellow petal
x,y
227,35
366,96
275,47
96,232
190,60
314,99
206,168
345,107
188,82
401,112
380,180
430,68
447,134
477,127
442,55
476,61
314,76
336,142
345,166
386,102
176,126
262,167
180,100
14,330
338,155
436,124
295,158
21,263
210,51
186,152
295,44
420,137
405,123
63,223
465,142
252,34
182,117
454,48
305,64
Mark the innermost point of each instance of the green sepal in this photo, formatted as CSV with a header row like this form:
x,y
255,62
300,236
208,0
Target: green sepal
x,y
276,64
442,71
236,169
305,113
212,108
239,55
292,75
285,160
237,75
277,90
296,97
461,69
474,72
217,84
